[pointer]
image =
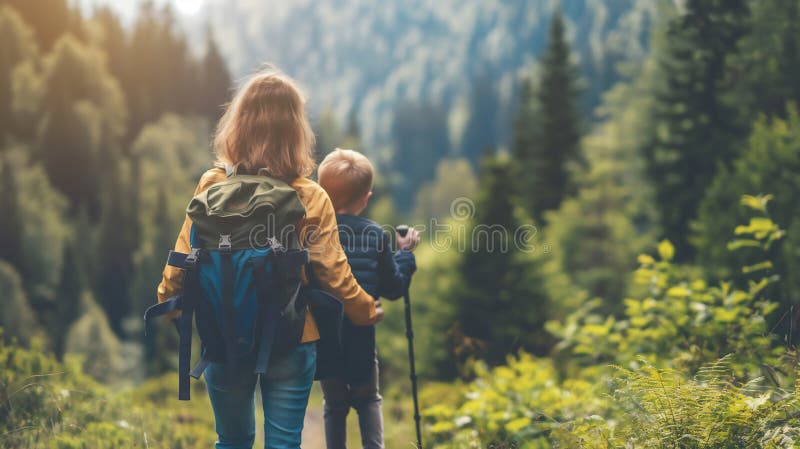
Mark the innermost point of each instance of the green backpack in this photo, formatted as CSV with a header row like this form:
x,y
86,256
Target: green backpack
x,y
242,280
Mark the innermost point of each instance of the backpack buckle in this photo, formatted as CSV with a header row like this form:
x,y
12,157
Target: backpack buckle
x,y
191,258
275,245
225,243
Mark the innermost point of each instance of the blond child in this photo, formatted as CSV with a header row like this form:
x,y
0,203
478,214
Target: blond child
x,y
347,177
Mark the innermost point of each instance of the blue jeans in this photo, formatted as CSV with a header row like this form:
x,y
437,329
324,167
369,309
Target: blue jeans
x,y
284,394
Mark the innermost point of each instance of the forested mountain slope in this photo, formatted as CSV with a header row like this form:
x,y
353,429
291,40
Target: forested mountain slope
x,y
464,56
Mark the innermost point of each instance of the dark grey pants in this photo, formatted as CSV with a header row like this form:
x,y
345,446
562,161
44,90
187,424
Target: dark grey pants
x,y
365,399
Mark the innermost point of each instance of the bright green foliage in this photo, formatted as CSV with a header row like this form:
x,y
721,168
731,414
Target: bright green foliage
x,y
548,146
519,404
689,362
680,321
524,405
771,164
693,129
664,408
48,405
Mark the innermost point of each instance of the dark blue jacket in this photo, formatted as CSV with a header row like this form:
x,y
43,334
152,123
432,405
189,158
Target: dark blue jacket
x,y
382,274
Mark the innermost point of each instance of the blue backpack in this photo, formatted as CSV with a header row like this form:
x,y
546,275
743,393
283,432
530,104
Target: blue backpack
x,y
242,278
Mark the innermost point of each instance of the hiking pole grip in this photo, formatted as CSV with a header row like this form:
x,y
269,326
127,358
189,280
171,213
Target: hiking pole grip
x,y
402,230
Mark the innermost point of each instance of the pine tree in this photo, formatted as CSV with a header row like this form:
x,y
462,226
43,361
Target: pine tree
x,y
525,118
547,133
693,131
216,81
499,297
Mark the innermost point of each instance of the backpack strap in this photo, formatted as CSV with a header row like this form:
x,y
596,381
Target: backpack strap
x,y
161,309
201,366
191,290
227,277
183,260
185,302
284,264
178,260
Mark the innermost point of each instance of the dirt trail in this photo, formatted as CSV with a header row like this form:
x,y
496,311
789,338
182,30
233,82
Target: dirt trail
x,y
313,431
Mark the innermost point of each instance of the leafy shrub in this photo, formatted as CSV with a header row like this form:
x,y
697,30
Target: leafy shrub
x,y
45,404
517,404
681,321
681,369
770,164
663,408
523,405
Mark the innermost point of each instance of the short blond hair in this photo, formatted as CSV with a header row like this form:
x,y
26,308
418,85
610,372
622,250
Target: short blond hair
x,y
347,177
265,129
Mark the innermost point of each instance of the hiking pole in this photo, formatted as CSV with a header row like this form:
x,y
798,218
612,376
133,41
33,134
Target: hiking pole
x,y
403,230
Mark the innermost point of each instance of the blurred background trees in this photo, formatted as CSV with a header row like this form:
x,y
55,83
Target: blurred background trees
x,y
602,128
86,142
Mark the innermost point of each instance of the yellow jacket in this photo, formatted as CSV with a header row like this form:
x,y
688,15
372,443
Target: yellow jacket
x,y
319,235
